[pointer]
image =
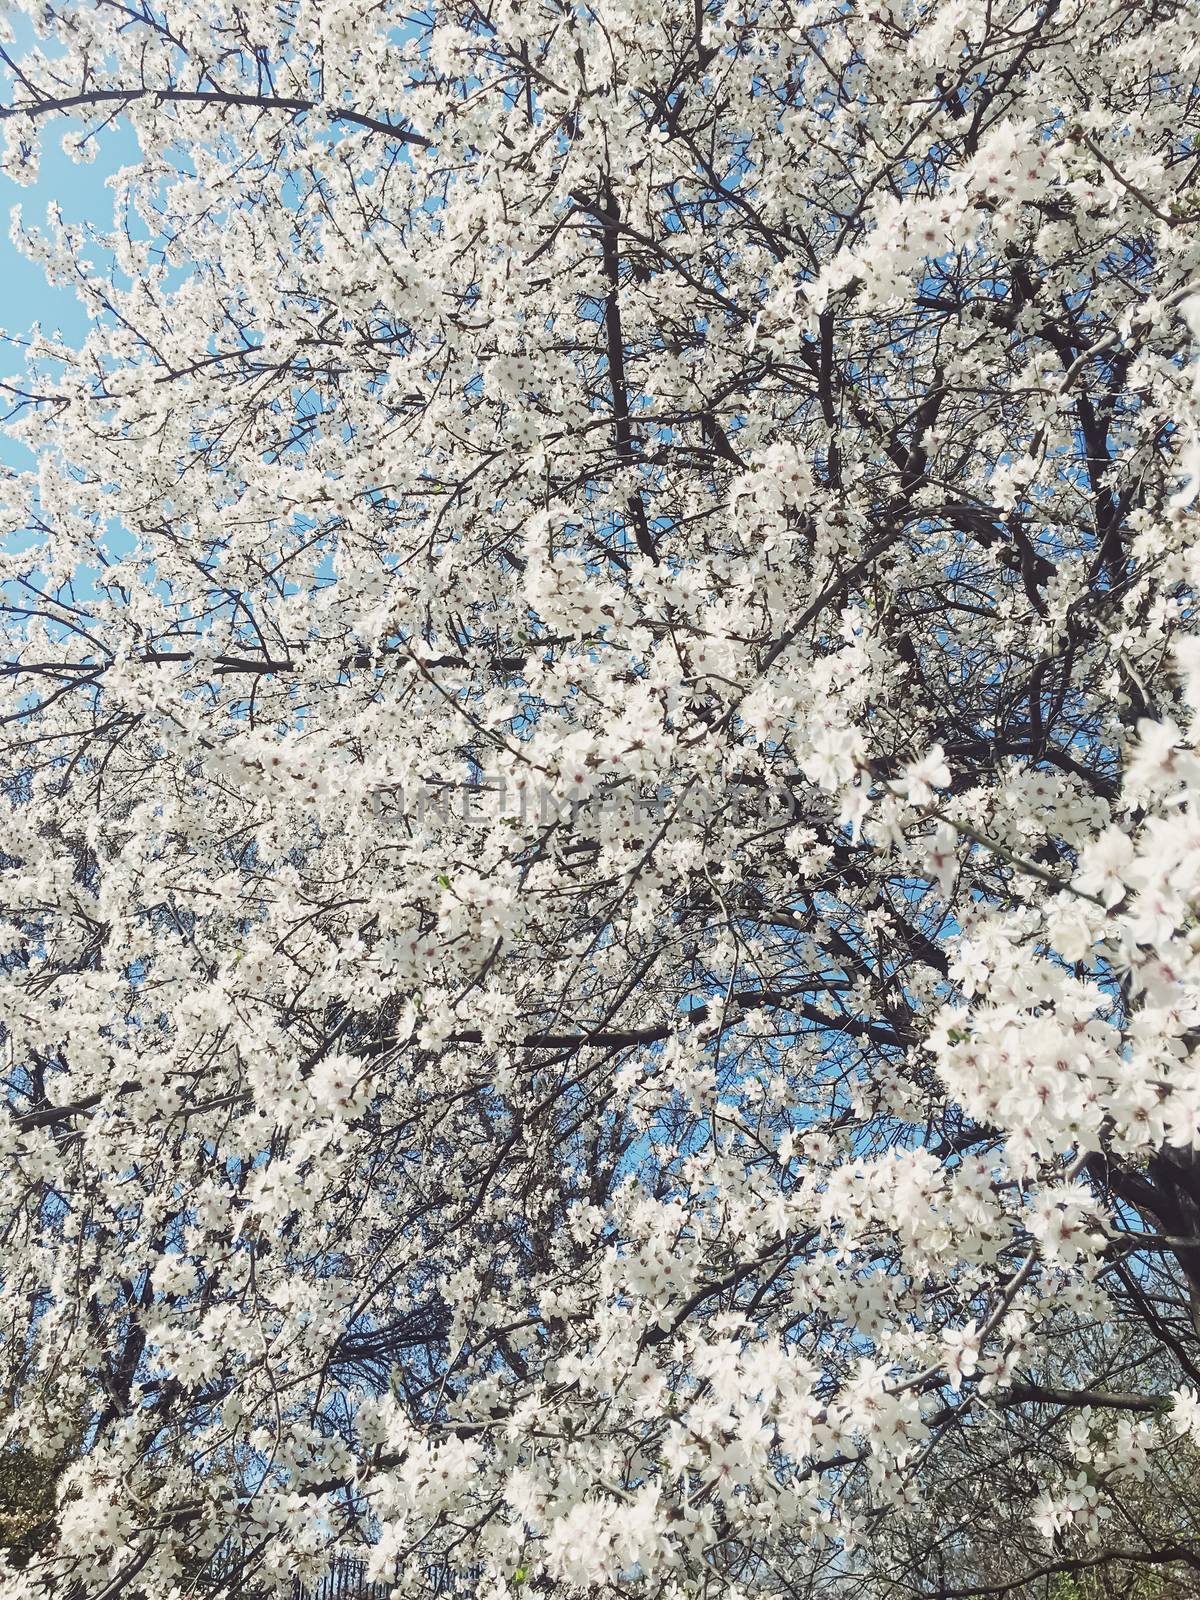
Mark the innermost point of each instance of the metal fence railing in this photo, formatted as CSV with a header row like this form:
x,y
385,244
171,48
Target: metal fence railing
x,y
228,1573
347,1579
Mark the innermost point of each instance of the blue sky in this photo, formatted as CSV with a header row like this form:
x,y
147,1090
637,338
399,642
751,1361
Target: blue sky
x,y
25,296
81,192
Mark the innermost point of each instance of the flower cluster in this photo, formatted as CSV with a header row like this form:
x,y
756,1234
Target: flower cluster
x,y
760,1153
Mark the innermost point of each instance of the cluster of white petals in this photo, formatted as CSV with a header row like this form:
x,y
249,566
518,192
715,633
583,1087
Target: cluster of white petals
x,y
600,878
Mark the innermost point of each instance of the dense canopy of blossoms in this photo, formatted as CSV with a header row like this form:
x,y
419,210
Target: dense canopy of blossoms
x,y
600,896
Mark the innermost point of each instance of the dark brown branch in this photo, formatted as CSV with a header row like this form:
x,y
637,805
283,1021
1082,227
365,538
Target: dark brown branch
x,y
98,97
626,449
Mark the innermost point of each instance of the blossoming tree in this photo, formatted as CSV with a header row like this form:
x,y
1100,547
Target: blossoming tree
x,y
600,869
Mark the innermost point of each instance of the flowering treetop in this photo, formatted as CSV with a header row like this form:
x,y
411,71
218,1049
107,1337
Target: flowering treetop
x,y
600,863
